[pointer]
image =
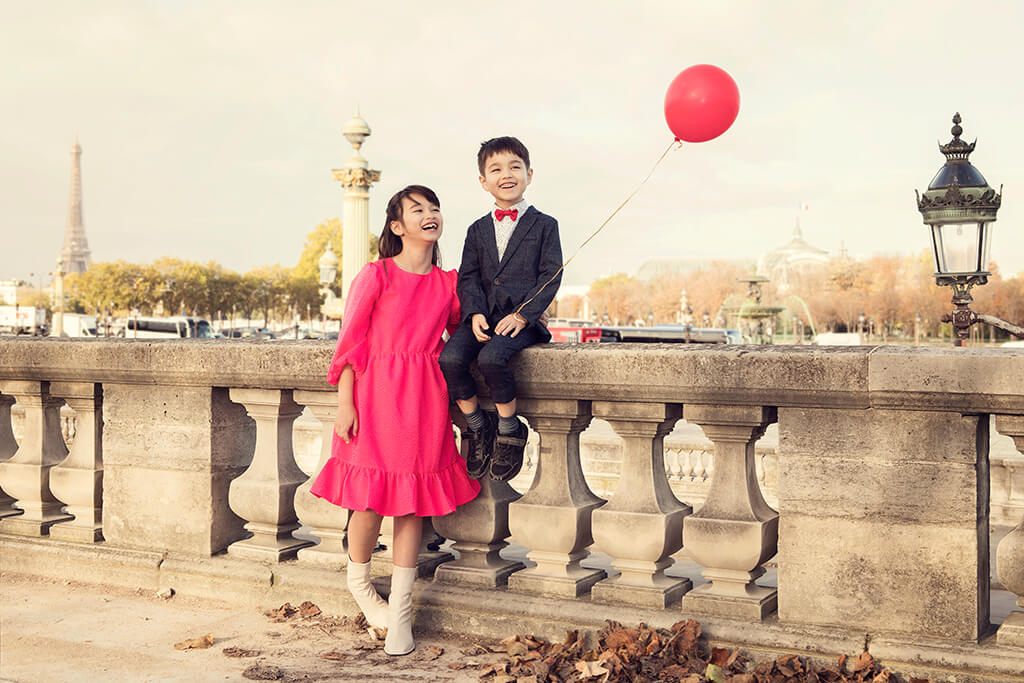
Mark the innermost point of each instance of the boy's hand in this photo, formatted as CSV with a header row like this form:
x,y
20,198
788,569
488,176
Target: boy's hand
x,y
479,326
345,421
510,325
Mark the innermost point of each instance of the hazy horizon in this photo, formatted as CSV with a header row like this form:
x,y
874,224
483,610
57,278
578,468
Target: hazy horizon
x,y
210,132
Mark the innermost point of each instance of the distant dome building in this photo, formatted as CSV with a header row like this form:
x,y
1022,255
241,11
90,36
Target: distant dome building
x,y
796,255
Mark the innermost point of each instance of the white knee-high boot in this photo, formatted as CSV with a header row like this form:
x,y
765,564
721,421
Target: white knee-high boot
x,y
374,608
399,639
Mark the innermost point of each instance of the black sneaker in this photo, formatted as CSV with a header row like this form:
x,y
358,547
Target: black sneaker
x,y
481,444
508,454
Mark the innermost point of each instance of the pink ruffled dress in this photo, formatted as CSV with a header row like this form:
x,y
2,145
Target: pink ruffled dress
x,y
403,459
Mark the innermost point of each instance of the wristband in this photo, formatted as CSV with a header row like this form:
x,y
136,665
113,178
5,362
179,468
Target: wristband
x,y
519,318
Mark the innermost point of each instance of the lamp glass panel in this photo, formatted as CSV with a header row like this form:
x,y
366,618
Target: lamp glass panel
x,y
327,274
986,243
957,247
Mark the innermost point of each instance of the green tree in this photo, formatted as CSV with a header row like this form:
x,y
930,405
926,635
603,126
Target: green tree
x,y
316,242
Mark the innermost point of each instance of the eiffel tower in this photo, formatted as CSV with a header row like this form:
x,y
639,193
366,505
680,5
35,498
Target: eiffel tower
x,y
75,251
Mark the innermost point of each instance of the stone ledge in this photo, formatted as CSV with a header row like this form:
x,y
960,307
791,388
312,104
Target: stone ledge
x,y
964,380
494,613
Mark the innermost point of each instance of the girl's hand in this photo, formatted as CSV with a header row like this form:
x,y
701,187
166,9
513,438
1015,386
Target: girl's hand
x,y
346,421
479,327
510,325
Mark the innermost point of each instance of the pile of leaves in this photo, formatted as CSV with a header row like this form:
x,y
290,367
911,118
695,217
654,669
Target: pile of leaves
x,y
677,655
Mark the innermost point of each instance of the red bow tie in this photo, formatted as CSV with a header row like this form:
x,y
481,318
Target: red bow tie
x,y
510,213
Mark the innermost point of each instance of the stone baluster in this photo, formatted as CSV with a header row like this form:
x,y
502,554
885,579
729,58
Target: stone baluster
x,y
699,470
264,494
326,520
8,447
642,523
673,469
735,531
479,529
26,475
688,465
1010,551
78,481
553,518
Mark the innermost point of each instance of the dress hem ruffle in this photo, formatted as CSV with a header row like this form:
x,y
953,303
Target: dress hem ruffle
x,y
395,494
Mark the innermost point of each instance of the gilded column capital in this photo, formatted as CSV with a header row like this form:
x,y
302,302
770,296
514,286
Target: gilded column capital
x,y
356,178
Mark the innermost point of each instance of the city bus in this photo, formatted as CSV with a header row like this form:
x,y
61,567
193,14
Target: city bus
x,y
177,327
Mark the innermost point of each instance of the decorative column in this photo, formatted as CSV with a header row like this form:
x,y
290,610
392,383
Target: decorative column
x,y
355,177
735,531
479,529
264,494
78,481
642,524
8,447
26,476
1010,551
326,520
553,518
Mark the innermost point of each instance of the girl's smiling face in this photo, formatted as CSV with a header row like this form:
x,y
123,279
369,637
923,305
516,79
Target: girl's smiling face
x,y
421,220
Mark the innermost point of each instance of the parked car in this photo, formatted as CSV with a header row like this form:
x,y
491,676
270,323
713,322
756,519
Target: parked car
x,y
248,333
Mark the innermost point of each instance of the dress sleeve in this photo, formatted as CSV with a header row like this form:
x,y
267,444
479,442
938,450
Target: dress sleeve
x,y
352,344
455,312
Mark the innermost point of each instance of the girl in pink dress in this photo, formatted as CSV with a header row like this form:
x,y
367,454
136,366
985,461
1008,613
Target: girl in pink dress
x,y
394,451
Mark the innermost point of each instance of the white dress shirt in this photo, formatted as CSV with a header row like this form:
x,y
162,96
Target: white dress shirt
x,y
504,228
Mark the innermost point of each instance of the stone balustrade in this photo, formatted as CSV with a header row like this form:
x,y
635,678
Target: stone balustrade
x,y
875,503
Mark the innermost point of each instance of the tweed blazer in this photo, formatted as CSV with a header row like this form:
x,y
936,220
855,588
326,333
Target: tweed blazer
x,y
496,288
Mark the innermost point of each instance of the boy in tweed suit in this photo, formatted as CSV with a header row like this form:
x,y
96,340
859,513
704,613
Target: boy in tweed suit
x,y
509,255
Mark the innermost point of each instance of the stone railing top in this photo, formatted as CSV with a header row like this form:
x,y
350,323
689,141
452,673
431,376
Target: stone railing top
x,y
957,379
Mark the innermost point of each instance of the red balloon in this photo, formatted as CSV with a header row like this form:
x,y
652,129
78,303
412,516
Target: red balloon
x,y
701,103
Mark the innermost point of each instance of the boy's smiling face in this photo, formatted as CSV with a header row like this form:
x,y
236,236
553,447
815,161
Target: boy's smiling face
x,y
506,177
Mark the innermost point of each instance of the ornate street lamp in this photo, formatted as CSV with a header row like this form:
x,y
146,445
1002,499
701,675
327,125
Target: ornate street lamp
x,y
328,267
328,264
960,208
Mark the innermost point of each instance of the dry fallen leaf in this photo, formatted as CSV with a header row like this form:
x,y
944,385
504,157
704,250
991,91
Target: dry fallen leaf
x,y
239,652
285,611
200,643
715,673
308,609
864,661
590,669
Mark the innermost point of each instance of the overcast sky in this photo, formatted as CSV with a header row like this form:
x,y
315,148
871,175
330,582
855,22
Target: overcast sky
x,y
210,129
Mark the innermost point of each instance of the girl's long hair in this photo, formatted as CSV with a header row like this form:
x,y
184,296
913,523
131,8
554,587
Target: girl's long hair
x,y
389,243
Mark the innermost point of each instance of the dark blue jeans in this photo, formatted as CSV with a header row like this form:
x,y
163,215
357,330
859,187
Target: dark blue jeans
x,y
492,357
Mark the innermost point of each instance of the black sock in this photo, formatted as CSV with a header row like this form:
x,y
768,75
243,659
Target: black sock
x,y
508,425
476,420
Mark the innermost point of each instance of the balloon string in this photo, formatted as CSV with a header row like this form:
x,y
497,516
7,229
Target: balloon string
x,y
606,221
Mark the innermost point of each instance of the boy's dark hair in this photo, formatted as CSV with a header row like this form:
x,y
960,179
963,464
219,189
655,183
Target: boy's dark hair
x,y
498,145
389,243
